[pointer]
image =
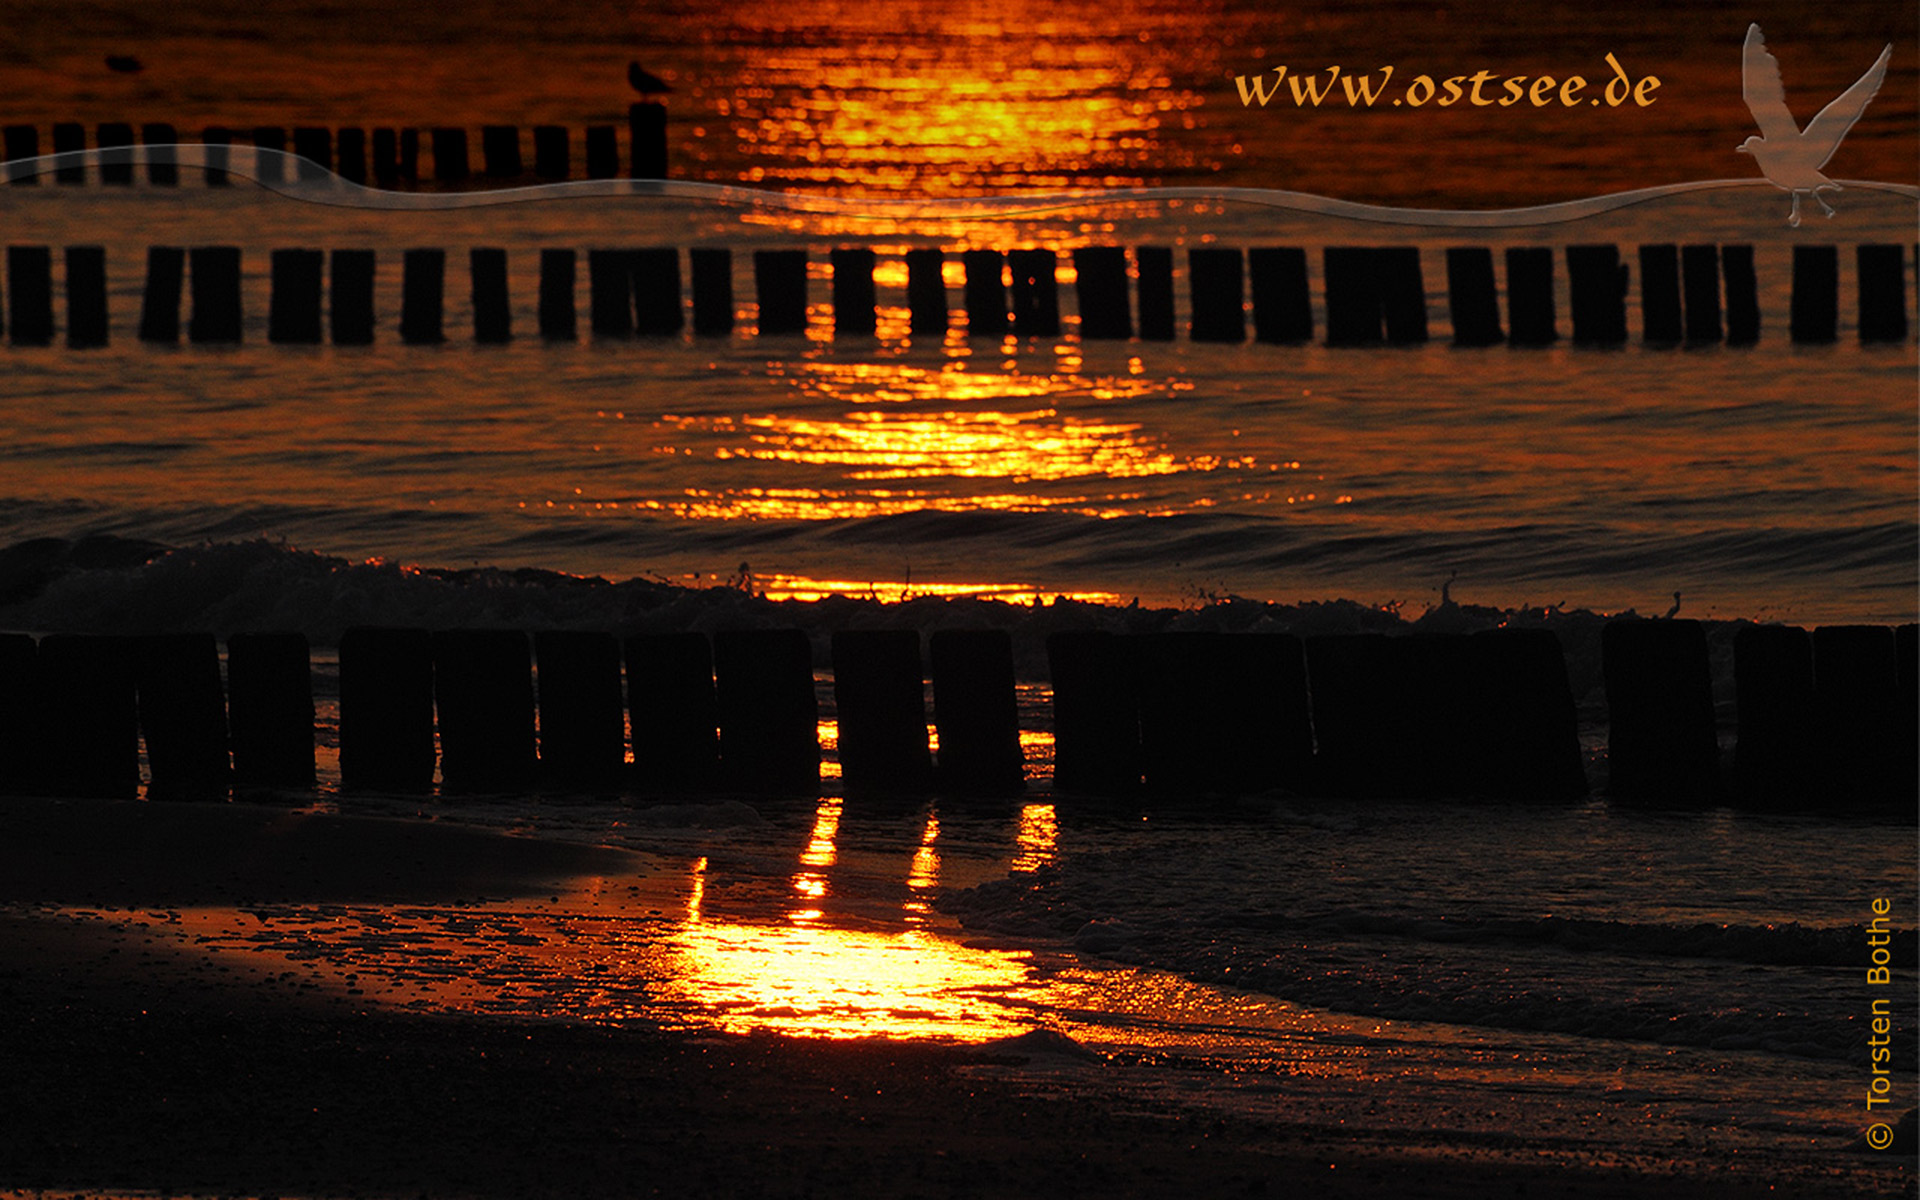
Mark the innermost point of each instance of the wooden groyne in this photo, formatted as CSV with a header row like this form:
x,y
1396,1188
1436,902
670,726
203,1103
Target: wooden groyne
x,y
1826,721
387,157
1692,295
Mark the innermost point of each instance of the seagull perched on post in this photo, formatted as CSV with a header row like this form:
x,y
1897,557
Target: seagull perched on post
x,y
1791,157
646,82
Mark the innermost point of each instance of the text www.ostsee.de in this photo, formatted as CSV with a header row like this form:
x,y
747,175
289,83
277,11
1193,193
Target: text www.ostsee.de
x,y
1482,89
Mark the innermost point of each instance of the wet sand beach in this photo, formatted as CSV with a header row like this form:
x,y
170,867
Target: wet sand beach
x,y
137,1059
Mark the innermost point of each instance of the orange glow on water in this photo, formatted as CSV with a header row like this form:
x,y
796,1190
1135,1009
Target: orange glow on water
x,y
799,587
1037,843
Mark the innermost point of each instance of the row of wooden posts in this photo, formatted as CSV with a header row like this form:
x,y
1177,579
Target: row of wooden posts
x,y
1374,295
386,157
1826,719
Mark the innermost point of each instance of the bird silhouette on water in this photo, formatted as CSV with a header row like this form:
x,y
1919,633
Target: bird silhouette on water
x,y
646,82
125,64
1791,157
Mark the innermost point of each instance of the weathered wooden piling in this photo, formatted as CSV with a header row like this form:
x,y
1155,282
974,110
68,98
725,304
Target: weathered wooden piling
x,y
674,712
1743,295
1035,295
769,740
1372,715
1353,296
1660,311
1700,273
423,281
500,151
214,278
557,320
270,710
603,152
1100,287
583,733
163,162
780,290
313,153
610,293
1906,682
492,314
1282,302
985,294
1519,731
89,720
30,295
854,298
647,137
483,695
1155,266
552,153
386,157
386,709
1661,745
1597,288
450,155
1223,713
270,145
350,297
1857,702
160,300
1815,313
926,293
1530,309
880,699
70,137
350,145
218,143
1096,726
657,309
409,155
711,268
1882,274
1216,290
20,700
1473,299
1773,698
183,716
1403,294
114,139
977,713
87,323
293,307
22,142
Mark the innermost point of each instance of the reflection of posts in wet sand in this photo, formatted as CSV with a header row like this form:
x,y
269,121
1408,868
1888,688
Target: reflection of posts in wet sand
x,y
1037,841
811,884
923,874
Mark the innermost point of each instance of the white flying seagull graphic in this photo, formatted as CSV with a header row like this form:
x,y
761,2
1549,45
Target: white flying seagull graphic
x,y
1791,157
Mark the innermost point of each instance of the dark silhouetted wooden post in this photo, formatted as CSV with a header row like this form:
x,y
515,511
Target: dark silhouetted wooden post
x,y
557,320
500,151
977,713
483,694
351,146
985,293
313,153
1816,294
183,715
386,710
674,712
87,324
89,722
450,156
1035,294
218,143
270,710
115,142
1597,285
1661,744
552,153
270,147
1403,294
603,152
160,301
1217,293
647,134
1473,300
926,293
423,281
769,739
1155,264
1223,714
1773,695
1100,287
30,295
1096,727
410,156
880,698
1700,271
1857,702
1353,296
22,143
492,314
350,297
163,161
1530,311
1882,272
583,729
21,745
1743,295
610,293
853,293
1660,312
70,138
1521,736
712,270
386,158
1282,301
215,281
657,309
293,308
780,288
1368,692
